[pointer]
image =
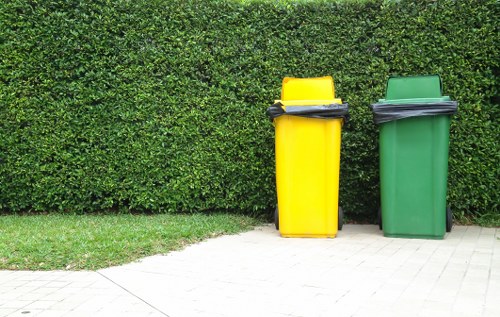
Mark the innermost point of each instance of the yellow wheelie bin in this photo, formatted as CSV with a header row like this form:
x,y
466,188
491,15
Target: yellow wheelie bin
x,y
308,122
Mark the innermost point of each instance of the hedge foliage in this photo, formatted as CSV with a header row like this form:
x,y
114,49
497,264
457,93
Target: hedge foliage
x,y
160,105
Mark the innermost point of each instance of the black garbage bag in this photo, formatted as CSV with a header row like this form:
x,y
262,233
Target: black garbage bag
x,y
385,112
329,111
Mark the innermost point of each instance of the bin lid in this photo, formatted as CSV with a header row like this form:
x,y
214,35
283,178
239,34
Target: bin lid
x,y
411,87
316,88
315,102
413,101
413,96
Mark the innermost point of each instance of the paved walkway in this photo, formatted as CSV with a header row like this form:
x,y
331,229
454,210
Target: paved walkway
x,y
360,273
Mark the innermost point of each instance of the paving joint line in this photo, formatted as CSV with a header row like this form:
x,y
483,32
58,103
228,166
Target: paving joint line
x,y
139,298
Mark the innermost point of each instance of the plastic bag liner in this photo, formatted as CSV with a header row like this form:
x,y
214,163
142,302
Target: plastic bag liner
x,y
330,111
385,112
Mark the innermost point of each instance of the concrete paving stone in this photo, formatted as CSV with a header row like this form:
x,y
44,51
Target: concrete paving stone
x,y
401,256
31,295
49,313
492,308
337,309
401,278
495,259
455,271
86,314
492,299
304,308
327,297
4,312
443,295
473,306
494,279
417,293
493,286
426,312
44,291
54,296
434,304
387,296
474,288
459,260
40,305
56,284
24,290
381,274
407,305
430,271
13,283
372,311
69,304
489,313
10,295
27,312
16,303
452,275
6,273
69,291
178,307
473,276
99,302
481,257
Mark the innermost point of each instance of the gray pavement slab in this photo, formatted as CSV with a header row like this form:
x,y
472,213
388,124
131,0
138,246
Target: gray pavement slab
x,y
64,293
258,273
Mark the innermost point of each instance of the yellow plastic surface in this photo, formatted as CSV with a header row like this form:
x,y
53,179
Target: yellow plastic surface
x,y
308,162
291,103
307,88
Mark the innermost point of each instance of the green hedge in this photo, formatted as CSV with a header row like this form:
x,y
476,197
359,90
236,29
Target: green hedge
x,y
160,105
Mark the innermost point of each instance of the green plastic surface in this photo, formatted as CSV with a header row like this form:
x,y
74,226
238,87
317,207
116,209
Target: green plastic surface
x,y
414,100
413,176
414,87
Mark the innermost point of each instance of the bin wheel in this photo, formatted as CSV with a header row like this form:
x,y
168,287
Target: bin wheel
x,y
449,219
276,219
341,218
379,218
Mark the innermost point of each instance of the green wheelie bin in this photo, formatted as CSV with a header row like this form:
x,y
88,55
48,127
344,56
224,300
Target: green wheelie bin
x,y
414,125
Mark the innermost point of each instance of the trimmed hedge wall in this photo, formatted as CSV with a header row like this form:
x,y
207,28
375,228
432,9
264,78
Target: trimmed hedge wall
x,y
160,105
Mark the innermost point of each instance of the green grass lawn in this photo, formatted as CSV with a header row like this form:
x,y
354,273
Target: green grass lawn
x,y
89,242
